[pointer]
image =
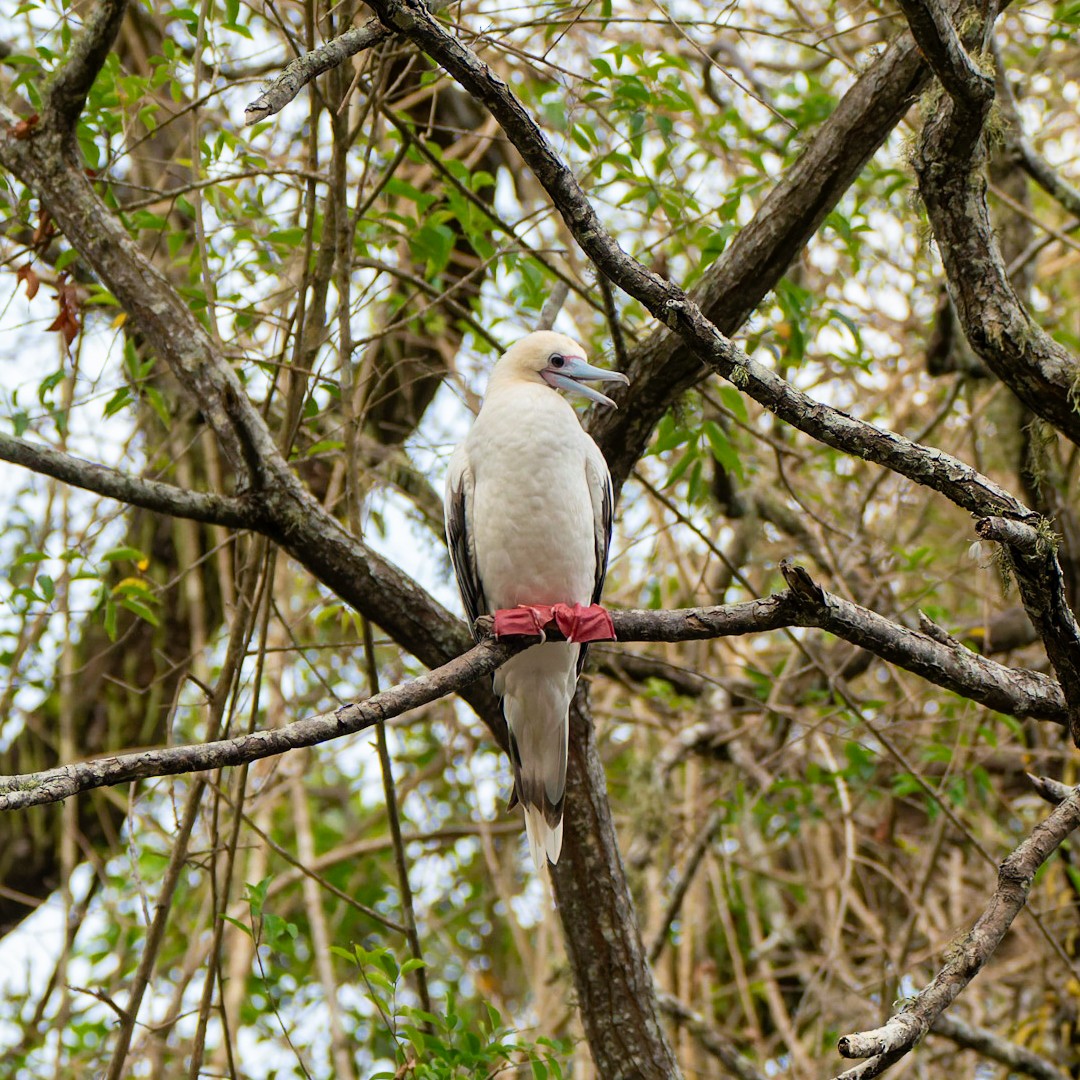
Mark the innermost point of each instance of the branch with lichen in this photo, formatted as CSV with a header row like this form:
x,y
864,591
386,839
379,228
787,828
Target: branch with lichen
x,y
883,1046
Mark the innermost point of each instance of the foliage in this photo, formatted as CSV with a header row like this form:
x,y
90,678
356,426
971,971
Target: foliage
x,y
359,258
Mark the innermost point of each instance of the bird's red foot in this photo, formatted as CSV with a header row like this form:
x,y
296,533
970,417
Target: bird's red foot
x,y
576,622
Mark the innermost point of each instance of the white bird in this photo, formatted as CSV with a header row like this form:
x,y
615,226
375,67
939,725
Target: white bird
x,y
528,521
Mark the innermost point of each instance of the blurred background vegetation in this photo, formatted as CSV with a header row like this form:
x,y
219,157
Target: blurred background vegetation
x,y
362,256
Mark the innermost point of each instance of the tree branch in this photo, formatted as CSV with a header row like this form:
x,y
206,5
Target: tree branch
x,y
312,64
65,92
948,59
949,163
945,663
55,785
761,252
1034,164
1020,693
1018,1058
1033,560
281,506
925,465
966,957
134,490
682,885
713,1041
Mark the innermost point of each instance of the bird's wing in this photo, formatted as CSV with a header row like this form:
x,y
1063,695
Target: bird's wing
x,y
598,478
458,511
603,503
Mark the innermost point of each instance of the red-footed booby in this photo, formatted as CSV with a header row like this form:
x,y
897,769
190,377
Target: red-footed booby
x,y
528,521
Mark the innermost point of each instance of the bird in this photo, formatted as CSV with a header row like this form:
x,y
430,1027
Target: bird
x,y
528,507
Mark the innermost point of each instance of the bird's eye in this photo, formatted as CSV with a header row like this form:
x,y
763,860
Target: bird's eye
x,y
556,360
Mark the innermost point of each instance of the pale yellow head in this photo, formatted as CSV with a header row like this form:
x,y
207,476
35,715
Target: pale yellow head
x,y
554,360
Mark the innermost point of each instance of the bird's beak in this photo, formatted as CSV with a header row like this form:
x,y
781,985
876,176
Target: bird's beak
x,y
574,370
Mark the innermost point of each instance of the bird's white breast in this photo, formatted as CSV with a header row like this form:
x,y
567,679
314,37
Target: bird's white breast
x,y
533,511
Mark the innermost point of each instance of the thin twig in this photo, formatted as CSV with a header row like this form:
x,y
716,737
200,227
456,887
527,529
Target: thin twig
x,y
678,893
312,64
1014,691
965,958
713,1041
553,305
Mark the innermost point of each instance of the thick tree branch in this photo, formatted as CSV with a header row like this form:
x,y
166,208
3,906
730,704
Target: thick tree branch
x,y
761,252
925,465
949,162
612,980
1020,693
939,42
162,315
282,508
134,490
945,663
966,957
1033,559
65,93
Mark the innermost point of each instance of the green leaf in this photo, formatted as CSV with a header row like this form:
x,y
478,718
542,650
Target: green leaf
x,y
237,923
118,401
668,435
735,403
722,449
119,554
143,611
47,587
66,258
109,619
688,458
157,402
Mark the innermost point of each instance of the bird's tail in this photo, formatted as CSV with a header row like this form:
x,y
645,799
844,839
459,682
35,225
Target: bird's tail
x,y
537,688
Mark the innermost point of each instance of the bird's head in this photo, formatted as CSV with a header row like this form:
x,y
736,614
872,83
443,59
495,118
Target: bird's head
x,y
556,360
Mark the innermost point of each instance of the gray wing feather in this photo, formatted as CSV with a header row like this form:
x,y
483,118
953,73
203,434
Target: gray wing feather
x,y
603,503
458,511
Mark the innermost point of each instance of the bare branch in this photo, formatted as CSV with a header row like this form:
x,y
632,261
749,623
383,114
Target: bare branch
x,y
65,93
761,252
678,893
1018,1058
1033,559
925,465
965,958
1034,164
949,163
713,1041
54,785
940,44
312,64
1046,787
1021,693
947,664
134,490
553,305
1045,175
